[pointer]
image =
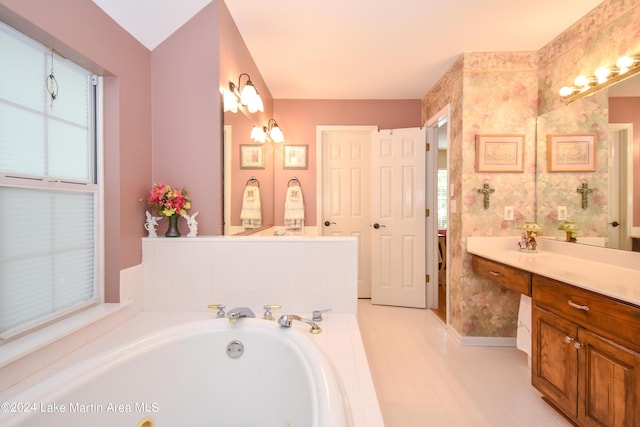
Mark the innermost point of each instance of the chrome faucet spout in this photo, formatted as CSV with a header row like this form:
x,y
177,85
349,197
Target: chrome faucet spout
x,y
239,312
287,319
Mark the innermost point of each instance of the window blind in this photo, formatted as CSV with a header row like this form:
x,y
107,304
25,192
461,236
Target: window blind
x,y
48,192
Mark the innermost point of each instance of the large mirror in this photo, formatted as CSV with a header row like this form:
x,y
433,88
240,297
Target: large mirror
x,y
608,214
257,170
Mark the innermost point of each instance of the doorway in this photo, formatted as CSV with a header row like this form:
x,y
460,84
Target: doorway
x,y
391,246
438,137
620,186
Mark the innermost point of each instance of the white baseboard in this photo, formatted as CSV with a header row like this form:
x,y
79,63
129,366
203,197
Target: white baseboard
x,y
481,341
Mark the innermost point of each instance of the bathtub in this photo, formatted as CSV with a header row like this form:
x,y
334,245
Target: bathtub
x,y
184,376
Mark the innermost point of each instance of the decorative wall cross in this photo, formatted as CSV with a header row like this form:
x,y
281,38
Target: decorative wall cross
x,y
584,190
486,190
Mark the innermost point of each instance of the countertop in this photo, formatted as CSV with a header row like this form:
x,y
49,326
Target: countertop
x,y
615,274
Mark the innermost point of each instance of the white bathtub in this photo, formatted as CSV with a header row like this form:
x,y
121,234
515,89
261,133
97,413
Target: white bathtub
x,y
182,376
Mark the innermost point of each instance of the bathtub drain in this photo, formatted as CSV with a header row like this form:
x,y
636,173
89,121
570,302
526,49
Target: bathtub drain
x,y
235,349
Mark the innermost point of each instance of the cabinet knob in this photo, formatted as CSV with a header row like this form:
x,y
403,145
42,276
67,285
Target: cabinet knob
x,y
577,345
568,340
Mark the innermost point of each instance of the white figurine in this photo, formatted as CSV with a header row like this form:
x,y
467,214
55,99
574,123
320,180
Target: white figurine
x,y
192,224
151,224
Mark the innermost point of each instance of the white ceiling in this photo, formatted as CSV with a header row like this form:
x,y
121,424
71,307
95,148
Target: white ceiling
x,y
359,49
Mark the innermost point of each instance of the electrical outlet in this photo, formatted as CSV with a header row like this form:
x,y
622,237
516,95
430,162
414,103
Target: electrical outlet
x,y
508,213
562,213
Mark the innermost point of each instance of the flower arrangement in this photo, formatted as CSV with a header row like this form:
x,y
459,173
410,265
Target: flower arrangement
x,y
168,201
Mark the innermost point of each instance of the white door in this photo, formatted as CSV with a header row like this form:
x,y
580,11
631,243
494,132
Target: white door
x,y
345,186
620,186
398,217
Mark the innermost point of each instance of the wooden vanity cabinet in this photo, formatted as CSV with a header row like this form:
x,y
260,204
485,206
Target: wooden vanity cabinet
x,y
504,275
585,354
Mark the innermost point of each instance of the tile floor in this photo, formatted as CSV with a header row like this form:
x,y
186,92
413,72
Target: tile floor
x,y
424,378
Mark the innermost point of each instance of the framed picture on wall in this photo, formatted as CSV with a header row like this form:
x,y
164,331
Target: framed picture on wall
x,y
251,156
499,153
571,152
296,156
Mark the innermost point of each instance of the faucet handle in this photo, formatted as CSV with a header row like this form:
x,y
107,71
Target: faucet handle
x,y
317,314
267,311
219,307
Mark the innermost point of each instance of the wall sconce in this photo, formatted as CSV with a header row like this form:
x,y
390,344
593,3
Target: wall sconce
x,y
625,67
570,228
247,96
271,132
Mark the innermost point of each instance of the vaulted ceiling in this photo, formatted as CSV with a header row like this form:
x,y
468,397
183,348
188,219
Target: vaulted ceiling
x,y
358,49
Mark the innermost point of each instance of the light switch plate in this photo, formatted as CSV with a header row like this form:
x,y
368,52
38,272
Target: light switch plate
x,y
562,213
508,213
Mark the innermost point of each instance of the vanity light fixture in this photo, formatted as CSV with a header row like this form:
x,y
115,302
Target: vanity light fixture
x,y
258,134
625,67
246,95
271,132
274,131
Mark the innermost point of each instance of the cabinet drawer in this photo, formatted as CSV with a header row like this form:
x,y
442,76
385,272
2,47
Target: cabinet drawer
x,y
610,318
507,276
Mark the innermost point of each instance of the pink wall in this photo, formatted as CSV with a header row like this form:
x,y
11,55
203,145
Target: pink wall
x,y
187,117
627,110
298,120
81,31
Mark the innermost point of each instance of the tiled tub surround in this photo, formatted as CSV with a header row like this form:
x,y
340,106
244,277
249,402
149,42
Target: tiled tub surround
x,y
301,274
608,272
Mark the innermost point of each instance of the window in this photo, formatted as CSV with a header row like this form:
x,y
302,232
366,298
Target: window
x,y
49,240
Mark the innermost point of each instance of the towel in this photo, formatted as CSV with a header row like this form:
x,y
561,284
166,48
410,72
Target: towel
x,y
294,208
523,334
251,214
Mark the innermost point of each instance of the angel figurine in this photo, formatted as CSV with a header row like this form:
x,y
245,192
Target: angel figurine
x,y
151,224
192,224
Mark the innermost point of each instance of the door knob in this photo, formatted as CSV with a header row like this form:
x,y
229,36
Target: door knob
x,y
615,223
328,223
376,225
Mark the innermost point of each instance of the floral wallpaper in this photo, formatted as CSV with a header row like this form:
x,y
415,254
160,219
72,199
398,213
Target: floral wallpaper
x,y
555,189
504,93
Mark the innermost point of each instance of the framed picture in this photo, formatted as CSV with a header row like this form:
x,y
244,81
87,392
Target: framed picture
x,y
251,156
296,156
571,152
499,153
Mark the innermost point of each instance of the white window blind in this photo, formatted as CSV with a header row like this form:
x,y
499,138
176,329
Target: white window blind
x,y
48,189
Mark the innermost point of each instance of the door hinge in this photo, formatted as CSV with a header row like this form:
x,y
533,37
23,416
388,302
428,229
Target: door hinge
x,y
427,278
428,147
427,213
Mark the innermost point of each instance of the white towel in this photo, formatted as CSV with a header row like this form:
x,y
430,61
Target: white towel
x,y
294,208
251,214
523,334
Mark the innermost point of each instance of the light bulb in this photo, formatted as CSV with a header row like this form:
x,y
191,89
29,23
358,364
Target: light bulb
x,y
566,91
581,81
602,74
624,62
276,134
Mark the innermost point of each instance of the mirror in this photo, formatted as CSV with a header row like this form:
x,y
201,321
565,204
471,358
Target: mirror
x,y
608,217
236,133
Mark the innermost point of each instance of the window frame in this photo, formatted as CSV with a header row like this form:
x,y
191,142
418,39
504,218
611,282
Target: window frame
x,y
95,186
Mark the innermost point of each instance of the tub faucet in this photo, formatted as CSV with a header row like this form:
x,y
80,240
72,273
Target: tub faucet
x,y
239,312
287,319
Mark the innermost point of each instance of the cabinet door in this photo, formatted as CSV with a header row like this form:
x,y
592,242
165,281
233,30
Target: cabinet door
x,y
555,360
609,378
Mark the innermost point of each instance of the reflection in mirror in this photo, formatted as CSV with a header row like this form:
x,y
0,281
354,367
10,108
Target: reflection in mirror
x,y
611,217
236,132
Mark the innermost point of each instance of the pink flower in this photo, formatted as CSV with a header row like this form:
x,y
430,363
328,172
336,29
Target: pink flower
x,y
168,201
